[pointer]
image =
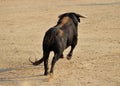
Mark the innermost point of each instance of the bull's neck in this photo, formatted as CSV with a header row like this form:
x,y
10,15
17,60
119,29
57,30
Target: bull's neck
x,y
62,25
71,23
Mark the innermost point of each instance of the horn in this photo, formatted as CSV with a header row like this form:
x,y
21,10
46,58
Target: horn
x,y
79,15
82,16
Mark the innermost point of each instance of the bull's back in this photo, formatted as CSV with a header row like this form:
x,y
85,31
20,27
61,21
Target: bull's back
x,y
49,39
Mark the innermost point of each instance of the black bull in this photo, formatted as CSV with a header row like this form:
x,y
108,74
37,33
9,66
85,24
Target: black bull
x,y
58,38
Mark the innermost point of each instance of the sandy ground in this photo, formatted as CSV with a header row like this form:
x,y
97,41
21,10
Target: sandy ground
x,y
96,59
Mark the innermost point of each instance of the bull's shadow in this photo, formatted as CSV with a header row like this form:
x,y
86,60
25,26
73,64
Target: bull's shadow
x,y
20,74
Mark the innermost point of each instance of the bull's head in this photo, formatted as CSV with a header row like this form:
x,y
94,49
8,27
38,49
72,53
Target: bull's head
x,y
74,16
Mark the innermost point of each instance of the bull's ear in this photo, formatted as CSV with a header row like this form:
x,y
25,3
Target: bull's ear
x,y
75,18
78,16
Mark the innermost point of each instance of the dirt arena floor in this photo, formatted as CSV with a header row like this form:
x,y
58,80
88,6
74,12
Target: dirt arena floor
x,y
95,61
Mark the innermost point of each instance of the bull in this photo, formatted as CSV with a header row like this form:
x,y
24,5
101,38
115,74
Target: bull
x,y
58,38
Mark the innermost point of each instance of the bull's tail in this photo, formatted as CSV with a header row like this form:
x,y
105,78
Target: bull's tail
x,y
37,62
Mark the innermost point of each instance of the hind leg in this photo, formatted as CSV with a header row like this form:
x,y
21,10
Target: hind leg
x,y
46,55
55,59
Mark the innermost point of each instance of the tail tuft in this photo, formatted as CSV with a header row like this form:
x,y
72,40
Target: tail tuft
x,y
36,62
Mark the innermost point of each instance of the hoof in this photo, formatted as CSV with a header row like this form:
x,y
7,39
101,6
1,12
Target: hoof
x,y
46,73
69,56
51,74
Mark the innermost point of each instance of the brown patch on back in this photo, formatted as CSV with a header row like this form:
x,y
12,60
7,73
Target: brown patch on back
x,y
60,33
64,21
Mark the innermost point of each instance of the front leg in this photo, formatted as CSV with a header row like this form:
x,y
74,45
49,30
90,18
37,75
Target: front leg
x,y
69,56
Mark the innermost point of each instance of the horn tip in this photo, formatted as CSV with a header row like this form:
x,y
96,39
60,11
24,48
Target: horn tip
x,y
83,16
